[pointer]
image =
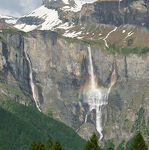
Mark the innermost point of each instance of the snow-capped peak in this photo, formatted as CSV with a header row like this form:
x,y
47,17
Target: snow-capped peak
x,y
8,19
49,16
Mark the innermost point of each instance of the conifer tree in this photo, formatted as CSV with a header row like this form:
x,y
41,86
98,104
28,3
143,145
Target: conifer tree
x,y
58,145
40,146
92,143
139,143
36,146
33,146
50,144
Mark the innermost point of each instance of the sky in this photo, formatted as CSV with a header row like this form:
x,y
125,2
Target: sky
x,y
18,8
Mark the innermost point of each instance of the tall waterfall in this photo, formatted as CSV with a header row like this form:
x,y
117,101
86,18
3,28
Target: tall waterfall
x,y
96,97
32,82
92,76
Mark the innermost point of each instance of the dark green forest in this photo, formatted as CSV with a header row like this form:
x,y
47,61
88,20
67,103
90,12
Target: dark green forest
x,y
92,144
20,125
25,128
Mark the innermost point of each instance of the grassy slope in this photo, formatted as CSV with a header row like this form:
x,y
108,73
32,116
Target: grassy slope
x,y
20,125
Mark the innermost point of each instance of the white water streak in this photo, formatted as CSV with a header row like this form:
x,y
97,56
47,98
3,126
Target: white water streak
x,y
105,39
99,121
31,82
92,76
96,97
85,118
128,35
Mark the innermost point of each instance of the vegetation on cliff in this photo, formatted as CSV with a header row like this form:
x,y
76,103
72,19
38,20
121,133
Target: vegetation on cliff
x,y
20,125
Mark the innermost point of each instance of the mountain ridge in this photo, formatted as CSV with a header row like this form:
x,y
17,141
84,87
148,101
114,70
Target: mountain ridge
x,y
121,23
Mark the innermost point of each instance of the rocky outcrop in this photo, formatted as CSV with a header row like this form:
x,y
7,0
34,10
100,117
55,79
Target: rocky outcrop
x,y
121,13
106,12
113,12
14,68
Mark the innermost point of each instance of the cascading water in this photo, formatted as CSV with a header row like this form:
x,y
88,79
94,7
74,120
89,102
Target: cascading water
x,y
31,81
96,97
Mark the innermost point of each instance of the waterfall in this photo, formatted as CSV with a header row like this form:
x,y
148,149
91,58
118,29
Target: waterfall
x,y
85,118
92,76
96,97
32,82
99,121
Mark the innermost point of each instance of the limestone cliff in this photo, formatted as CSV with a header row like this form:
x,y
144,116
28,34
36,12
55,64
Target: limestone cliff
x,y
60,70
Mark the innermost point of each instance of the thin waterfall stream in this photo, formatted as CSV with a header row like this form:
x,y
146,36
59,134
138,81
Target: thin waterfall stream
x,y
32,82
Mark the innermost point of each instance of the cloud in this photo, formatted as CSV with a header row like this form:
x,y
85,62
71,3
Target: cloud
x,y
18,7
28,5
9,13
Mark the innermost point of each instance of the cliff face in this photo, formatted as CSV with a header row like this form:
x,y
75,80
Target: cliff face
x,y
14,71
61,72
113,12
119,13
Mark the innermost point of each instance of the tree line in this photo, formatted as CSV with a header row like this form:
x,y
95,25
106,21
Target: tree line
x,y
138,143
50,145
92,144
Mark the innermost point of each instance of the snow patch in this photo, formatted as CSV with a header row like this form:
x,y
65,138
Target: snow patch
x,y
5,17
50,17
65,26
72,34
78,5
8,19
25,28
123,31
11,21
66,1
129,34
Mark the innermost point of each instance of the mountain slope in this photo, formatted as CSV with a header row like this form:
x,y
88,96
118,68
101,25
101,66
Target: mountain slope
x,y
20,125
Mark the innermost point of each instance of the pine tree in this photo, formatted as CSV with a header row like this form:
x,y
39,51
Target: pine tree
x,y
139,143
33,146
50,144
36,146
40,146
58,145
92,143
